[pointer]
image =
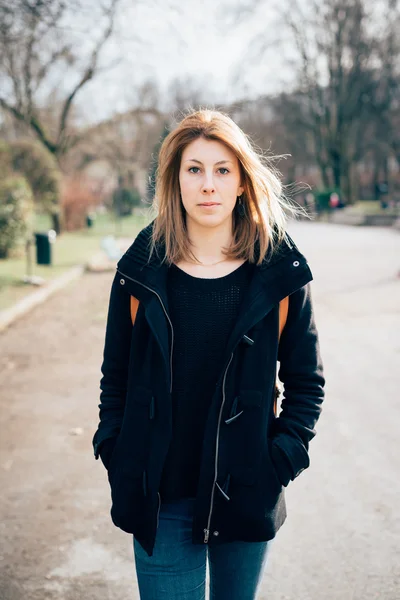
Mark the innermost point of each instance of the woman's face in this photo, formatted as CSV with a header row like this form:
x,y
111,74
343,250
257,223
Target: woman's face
x,y
209,179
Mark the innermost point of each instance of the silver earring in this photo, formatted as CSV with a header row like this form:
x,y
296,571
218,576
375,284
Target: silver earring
x,y
240,207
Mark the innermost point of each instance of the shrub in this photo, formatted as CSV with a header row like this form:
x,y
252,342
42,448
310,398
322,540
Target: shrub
x,y
5,159
40,169
16,212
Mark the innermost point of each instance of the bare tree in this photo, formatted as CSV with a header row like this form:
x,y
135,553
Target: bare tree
x,y
332,100
385,101
345,86
33,46
125,141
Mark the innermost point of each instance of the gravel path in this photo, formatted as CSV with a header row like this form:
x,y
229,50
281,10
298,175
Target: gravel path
x,y
341,540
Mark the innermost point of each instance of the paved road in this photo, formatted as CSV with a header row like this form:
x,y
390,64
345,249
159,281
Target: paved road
x,y
341,540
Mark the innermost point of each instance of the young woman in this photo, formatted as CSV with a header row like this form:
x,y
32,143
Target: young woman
x,y
204,303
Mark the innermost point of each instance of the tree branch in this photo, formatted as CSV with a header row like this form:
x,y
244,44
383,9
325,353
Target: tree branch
x,y
27,66
43,71
32,122
89,72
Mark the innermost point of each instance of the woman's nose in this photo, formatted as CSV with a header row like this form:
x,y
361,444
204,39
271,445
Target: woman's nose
x,y
208,185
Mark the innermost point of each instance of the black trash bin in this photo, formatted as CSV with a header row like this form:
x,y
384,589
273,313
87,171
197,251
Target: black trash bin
x,y
43,246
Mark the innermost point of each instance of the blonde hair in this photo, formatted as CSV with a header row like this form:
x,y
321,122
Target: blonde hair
x,y
263,198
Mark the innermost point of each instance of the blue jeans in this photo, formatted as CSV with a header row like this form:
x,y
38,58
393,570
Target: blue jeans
x,y
177,569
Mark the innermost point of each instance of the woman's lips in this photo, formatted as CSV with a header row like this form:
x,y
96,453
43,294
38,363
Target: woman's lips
x,y
209,204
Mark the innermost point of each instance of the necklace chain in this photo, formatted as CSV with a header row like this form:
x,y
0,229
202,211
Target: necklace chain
x,y
211,264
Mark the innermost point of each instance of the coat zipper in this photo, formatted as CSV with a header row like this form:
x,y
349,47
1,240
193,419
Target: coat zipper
x,y
207,530
170,363
166,314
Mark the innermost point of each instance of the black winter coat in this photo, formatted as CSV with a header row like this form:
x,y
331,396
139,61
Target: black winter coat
x,y
249,454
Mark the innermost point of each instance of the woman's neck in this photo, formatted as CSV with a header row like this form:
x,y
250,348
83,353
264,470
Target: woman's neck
x,y
207,243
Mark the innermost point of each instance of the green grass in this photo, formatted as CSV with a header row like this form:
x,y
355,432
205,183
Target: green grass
x,y
368,207
69,249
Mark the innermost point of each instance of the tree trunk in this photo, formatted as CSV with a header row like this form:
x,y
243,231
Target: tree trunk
x,y
324,173
376,177
291,175
337,169
56,223
386,173
326,178
348,183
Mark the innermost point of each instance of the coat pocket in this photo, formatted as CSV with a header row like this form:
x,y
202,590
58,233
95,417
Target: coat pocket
x,y
128,502
136,430
273,465
244,429
114,464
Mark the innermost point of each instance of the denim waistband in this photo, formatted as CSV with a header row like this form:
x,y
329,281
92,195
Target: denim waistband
x,y
181,508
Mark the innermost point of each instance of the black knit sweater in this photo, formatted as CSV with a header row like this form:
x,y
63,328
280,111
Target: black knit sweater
x,y
202,313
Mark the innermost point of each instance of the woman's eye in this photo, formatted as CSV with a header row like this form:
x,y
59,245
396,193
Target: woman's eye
x,y
223,169
191,170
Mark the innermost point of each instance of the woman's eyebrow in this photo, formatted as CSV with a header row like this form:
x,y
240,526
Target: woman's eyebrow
x,y
220,162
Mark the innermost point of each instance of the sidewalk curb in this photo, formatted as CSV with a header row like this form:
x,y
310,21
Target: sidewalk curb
x,y
8,316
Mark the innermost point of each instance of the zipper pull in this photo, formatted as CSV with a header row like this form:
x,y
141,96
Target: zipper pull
x,y
234,407
206,535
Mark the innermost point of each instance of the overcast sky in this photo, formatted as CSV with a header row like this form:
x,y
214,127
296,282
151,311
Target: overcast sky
x,y
202,39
